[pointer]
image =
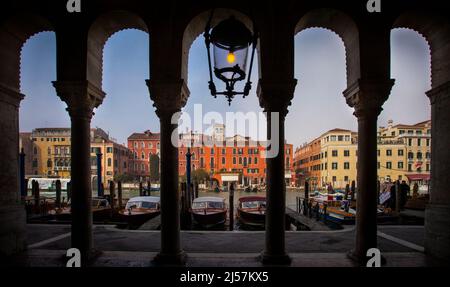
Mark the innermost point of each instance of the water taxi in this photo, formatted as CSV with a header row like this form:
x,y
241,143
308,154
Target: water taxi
x,y
252,210
209,211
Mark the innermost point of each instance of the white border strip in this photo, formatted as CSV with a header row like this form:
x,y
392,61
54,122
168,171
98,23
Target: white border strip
x,y
401,242
50,240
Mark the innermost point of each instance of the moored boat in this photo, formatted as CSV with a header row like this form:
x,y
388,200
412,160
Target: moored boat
x,y
139,210
101,211
252,210
209,211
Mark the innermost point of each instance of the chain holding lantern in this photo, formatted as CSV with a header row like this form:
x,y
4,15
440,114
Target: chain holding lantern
x,y
231,40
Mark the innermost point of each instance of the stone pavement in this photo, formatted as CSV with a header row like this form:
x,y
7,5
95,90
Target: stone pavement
x,y
400,245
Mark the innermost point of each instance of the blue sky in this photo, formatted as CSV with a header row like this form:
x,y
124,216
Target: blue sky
x,y
318,103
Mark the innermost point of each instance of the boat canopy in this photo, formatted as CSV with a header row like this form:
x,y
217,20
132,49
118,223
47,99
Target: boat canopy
x,y
209,199
155,199
252,198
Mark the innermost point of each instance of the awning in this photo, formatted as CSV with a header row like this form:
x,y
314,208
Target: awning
x,y
416,177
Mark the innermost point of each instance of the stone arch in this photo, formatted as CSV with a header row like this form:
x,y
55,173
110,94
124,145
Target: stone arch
x,y
344,26
14,33
196,27
105,26
436,32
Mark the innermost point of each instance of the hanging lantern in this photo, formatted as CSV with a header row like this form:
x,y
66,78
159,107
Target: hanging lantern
x,y
231,40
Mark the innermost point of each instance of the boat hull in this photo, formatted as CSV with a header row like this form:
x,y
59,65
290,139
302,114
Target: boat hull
x,y
252,218
210,219
135,220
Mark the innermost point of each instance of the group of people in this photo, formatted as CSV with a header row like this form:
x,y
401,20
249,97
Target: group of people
x,y
388,194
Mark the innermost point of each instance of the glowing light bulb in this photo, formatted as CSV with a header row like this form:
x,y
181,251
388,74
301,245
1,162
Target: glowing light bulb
x,y
231,58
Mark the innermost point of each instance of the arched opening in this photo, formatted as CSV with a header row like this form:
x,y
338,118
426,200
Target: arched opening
x,y
230,153
320,121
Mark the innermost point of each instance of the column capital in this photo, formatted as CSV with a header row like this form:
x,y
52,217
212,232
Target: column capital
x,y
81,97
439,94
10,96
168,97
276,96
368,96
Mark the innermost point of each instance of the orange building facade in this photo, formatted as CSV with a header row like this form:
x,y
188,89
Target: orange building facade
x,y
241,163
307,161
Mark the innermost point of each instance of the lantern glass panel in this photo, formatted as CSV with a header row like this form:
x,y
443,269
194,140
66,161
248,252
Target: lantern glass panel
x,y
225,59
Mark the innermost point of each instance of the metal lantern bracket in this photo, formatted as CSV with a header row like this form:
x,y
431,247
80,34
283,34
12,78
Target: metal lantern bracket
x,y
229,92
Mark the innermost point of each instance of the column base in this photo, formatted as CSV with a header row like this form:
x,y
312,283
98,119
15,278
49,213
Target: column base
x,y
362,260
437,231
162,259
12,230
270,259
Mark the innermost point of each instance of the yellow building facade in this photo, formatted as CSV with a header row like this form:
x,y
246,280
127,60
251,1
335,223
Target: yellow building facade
x,y
338,157
50,154
404,153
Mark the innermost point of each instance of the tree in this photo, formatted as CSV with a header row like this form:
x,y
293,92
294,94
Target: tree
x,y
124,177
154,167
200,175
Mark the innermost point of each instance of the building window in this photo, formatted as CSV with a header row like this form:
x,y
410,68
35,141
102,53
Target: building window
x,y
240,160
49,163
212,162
419,142
409,167
234,160
35,163
389,165
143,155
346,153
409,142
346,165
419,155
340,138
143,144
428,142
212,150
400,165
109,150
400,152
109,162
334,166
378,165
410,155
256,160
428,155
249,160
334,153
346,178
49,151
334,179
388,152
202,162
427,167
223,151
223,160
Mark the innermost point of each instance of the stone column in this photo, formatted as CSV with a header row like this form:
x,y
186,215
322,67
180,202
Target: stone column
x,y
437,213
169,98
275,99
367,97
81,98
12,212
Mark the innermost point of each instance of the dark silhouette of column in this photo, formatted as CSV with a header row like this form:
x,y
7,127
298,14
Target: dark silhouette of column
x,y
437,213
275,99
12,212
168,99
367,97
81,98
